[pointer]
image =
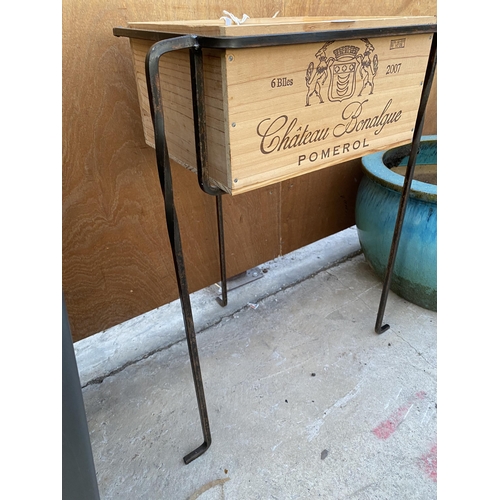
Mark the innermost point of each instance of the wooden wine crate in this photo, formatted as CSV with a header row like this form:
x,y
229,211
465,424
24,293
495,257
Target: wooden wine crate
x,y
273,113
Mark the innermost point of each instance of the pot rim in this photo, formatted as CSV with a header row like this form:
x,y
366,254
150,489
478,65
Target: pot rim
x,y
375,168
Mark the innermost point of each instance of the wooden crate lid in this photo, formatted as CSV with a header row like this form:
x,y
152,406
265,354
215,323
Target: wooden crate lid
x,y
267,26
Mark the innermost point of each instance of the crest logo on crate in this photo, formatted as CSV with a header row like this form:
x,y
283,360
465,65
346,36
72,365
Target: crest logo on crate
x,y
338,71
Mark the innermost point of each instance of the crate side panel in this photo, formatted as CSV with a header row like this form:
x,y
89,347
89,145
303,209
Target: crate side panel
x,y
139,50
300,108
175,80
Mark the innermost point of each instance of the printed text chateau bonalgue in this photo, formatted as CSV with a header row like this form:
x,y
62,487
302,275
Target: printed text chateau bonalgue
x,y
284,133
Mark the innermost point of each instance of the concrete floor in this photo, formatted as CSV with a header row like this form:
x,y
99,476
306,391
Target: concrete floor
x,y
304,399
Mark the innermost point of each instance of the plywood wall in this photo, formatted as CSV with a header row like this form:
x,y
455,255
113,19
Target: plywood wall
x,y
116,256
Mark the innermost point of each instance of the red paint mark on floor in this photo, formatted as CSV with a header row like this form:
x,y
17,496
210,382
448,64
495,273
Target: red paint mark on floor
x,y
386,428
428,462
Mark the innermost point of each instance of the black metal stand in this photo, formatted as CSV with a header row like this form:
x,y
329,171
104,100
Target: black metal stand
x,y
168,42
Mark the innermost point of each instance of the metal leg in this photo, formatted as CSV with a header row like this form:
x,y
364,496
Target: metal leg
x,y
431,67
154,91
198,92
222,253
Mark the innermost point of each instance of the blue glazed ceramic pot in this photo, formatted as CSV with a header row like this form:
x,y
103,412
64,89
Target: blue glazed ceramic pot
x,y
415,270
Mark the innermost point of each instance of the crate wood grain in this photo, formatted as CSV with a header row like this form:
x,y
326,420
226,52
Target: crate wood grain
x,y
274,113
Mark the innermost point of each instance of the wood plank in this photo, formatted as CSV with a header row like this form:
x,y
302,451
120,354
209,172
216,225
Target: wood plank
x,y
266,26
